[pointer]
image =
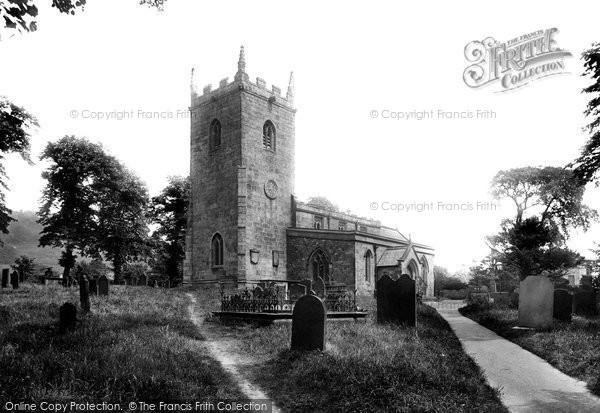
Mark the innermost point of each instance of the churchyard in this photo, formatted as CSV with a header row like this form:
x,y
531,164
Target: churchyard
x,y
565,326
136,344
141,343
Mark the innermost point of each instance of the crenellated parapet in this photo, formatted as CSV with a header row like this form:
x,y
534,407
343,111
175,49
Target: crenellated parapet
x,y
241,81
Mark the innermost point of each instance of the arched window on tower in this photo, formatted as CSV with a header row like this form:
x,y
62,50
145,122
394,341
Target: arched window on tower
x,y
269,135
216,249
368,260
215,134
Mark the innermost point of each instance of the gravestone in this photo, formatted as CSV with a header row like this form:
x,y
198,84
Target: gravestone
x,y
93,286
5,272
68,317
584,303
308,324
103,285
84,293
319,287
563,305
297,291
536,302
397,300
21,276
142,280
14,280
257,293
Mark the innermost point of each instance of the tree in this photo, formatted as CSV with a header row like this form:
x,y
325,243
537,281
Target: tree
x,y
443,280
555,194
21,15
78,173
15,126
588,163
322,202
169,212
24,265
122,223
548,204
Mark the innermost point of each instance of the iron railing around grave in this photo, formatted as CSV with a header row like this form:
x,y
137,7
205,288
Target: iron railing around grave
x,y
273,300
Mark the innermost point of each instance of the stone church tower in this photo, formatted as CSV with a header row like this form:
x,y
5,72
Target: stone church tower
x,y
242,181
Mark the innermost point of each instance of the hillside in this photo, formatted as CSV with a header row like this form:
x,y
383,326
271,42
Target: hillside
x,y
23,238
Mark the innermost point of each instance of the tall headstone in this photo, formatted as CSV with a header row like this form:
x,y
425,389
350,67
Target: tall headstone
x,y
84,293
14,280
103,285
319,287
93,286
143,280
5,272
584,303
309,320
536,302
563,305
68,317
397,300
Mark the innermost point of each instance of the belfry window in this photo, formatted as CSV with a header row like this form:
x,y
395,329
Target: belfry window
x,y
216,249
215,134
269,135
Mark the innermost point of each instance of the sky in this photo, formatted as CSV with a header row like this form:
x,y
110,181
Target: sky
x,y
354,63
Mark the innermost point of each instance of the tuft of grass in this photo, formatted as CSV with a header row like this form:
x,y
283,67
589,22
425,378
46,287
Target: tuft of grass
x,y
368,367
573,348
137,344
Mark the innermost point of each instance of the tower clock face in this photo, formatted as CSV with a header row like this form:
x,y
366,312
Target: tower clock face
x,y
271,189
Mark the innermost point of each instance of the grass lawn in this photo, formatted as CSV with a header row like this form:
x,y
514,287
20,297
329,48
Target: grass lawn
x,y
573,348
137,344
367,368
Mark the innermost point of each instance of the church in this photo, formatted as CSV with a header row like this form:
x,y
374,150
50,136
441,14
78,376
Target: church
x,y
245,225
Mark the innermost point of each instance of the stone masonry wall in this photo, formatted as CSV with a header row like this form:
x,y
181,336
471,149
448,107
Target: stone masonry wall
x,y
266,219
341,253
214,177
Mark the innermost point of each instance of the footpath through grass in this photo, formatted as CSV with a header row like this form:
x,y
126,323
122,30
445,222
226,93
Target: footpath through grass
x,y
136,345
573,348
368,368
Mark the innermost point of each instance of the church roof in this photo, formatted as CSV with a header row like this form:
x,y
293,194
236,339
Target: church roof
x,y
390,257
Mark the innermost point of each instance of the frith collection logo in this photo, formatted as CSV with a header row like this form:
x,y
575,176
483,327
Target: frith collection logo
x,y
515,63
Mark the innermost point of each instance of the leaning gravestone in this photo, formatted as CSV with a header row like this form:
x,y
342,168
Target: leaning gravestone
x,y
397,300
68,317
14,280
142,280
584,303
563,305
536,302
103,285
308,324
84,293
5,272
319,287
